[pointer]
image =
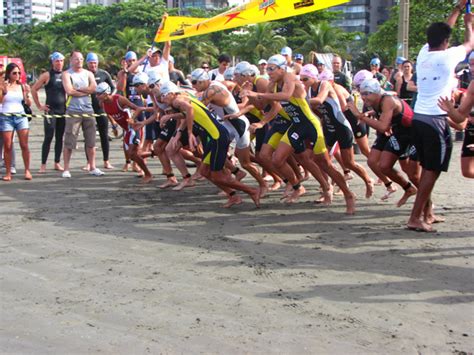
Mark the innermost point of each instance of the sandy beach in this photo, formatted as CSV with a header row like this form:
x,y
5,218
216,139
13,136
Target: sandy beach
x,y
108,265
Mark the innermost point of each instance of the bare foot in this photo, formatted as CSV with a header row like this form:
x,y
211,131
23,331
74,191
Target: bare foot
x,y
42,169
198,177
295,195
28,175
263,191
288,191
255,195
58,167
350,204
108,166
146,179
233,200
408,193
276,186
7,178
189,182
240,175
419,226
87,168
369,189
125,167
348,176
390,191
169,183
379,182
431,219
136,168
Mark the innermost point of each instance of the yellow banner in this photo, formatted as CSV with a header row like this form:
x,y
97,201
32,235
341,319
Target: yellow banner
x,y
252,12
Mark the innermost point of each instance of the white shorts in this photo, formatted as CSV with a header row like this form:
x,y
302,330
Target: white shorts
x,y
239,131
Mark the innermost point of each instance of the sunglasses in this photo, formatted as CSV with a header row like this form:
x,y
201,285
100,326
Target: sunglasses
x,y
204,67
194,82
304,79
151,86
15,72
271,69
365,93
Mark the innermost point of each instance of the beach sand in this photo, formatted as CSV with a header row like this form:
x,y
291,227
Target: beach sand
x,y
107,265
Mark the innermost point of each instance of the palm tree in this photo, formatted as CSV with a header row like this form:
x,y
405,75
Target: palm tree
x,y
263,41
320,38
129,39
82,43
189,53
40,50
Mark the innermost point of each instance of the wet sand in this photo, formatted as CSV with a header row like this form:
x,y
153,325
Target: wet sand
x,y
108,265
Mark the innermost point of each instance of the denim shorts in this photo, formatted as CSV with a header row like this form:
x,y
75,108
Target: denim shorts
x,y
13,123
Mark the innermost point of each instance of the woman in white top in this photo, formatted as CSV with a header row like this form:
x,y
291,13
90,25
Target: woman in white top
x,y
12,93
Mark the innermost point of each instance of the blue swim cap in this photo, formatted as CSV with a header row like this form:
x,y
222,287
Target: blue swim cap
x,y
400,60
92,57
375,61
56,56
130,55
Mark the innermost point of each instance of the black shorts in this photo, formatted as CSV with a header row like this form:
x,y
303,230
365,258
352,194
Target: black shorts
x,y
275,131
431,136
359,128
342,134
398,145
215,150
468,139
167,131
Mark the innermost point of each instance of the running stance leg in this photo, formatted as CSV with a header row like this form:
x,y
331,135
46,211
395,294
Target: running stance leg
x,y
386,164
173,151
373,163
244,158
279,161
325,165
347,156
265,160
134,154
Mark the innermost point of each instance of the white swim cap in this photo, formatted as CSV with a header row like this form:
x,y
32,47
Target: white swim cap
x,y
103,88
168,88
153,77
229,73
278,60
244,68
140,78
371,86
200,74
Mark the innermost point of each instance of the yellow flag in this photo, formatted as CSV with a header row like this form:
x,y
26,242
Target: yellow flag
x,y
252,12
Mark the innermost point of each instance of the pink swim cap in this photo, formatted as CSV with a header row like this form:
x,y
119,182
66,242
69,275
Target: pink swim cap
x,y
361,76
326,75
309,70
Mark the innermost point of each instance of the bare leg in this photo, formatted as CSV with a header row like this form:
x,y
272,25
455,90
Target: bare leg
x,y
25,151
347,156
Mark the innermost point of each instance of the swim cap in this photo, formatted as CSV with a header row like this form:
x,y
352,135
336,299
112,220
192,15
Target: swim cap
x,y
299,56
200,74
371,86
375,61
229,73
56,56
361,76
92,57
286,51
140,78
244,68
153,77
400,60
309,70
327,75
168,88
103,88
278,60
130,55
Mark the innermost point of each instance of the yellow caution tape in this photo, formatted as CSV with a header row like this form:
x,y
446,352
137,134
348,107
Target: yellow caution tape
x,y
81,115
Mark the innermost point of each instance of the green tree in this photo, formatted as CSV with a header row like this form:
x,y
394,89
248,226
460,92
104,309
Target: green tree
x,y
320,38
40,50
190,53
422,14
263,41
81,43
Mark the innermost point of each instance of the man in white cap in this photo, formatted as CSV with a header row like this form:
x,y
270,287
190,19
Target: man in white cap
x,y
220,100
291,66
262,68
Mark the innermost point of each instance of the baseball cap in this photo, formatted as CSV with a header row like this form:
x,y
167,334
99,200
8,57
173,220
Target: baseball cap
x,y
244,68
326,75
153,77
200,74
319,62
286,51
299,56
56,56
140,78
278,60
168,88
361,76
400,60
155,50
262,61
103,88
371,86
92,57
375,61
130,55
309,70
229,73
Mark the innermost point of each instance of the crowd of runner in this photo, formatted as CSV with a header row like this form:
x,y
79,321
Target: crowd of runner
x,y
281,121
